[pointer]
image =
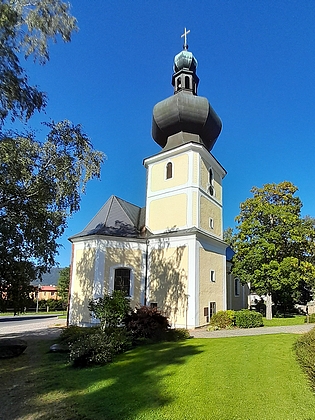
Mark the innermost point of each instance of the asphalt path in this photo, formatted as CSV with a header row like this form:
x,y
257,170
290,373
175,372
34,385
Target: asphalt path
x,y
31,326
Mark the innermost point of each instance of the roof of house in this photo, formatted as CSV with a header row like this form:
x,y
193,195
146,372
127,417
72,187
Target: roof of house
x,y
48,288
116,218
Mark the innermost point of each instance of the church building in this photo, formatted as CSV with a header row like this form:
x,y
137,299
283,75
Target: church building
x,y
169,254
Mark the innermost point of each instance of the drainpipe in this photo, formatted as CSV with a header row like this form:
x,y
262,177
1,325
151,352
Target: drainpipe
x,y
146,271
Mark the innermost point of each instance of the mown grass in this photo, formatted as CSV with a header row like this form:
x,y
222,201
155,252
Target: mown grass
x,y
255,377
277,322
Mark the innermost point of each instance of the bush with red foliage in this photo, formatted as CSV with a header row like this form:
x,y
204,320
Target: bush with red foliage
x,y
147,323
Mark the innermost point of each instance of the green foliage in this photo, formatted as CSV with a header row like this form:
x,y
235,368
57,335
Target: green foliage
x,y
177,334
223,319
248,319
73,333
63,283
40,186
305,351
310,318
95,346
27,27
53,305
274,246
111,310
147,323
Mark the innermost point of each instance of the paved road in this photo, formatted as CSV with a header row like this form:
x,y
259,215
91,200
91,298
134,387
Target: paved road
x,y
48,327
292,329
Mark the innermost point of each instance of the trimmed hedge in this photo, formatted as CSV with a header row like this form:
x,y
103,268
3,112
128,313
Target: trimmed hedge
x,y
248,319
223,319
305,352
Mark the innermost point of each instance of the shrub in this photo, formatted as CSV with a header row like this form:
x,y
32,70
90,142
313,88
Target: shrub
x,y
177,334
111,309
305,352
73,333
98,347
147,323
248,319
311,318
223,319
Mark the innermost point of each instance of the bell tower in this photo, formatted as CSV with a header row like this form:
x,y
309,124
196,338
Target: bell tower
x,y
184,182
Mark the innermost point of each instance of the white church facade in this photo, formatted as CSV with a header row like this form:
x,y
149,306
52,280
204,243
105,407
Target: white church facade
x,y
169,254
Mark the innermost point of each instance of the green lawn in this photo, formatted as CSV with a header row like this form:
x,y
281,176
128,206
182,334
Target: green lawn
x,y
276,322
204,379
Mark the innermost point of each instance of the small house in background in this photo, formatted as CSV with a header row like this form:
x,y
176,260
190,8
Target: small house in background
x,y
171,253
47,292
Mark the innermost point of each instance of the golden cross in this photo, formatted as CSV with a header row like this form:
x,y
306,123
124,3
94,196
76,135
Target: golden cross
x,y
185,38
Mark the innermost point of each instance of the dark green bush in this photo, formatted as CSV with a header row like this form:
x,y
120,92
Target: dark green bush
x,y
311,318
305,352
73,333
248,319
147,323
177,334
98,347
223,319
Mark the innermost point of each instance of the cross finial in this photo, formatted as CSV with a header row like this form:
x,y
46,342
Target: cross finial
x,y
185,46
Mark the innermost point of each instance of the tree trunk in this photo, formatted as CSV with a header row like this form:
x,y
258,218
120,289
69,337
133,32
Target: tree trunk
x,y
269,306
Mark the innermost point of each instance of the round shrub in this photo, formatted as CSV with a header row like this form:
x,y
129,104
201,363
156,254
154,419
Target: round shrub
x,y
223,319
147,323
248,319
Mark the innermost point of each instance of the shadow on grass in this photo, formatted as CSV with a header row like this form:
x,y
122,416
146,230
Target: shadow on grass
x,y
130,386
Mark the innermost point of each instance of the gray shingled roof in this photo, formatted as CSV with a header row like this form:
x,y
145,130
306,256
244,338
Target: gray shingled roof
x,y
116,218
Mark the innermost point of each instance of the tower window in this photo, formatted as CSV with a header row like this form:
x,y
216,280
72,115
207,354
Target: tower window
x,y
212,276
169,170
179,83
236,287
211,188
211,223
187,82
122,280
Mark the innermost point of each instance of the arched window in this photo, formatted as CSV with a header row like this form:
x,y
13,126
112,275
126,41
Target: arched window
x,y
211,188
179,83
236,287
122,280
169,170
187,82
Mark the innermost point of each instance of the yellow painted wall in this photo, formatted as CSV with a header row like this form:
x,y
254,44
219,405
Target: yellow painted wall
x,y
168,212
210,291
168,281
194,208
124,257
82,285
208,209
158,179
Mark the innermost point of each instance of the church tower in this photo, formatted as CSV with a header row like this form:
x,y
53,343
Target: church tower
x,y
184,198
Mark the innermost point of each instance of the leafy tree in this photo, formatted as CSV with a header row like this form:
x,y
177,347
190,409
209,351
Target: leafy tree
x,y
229,236
111,310
274,245
40,187
63,283
26,26
40,181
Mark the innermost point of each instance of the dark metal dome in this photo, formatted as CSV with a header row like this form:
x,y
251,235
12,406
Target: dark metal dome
x,y
188,114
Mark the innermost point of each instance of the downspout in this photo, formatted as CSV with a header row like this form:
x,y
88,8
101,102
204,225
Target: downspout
x,y
146,271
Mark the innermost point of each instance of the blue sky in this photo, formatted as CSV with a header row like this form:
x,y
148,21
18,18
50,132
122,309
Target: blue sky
x,y
256,67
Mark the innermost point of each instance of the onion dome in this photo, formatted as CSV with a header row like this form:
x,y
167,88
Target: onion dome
x,y
185,60
185,117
